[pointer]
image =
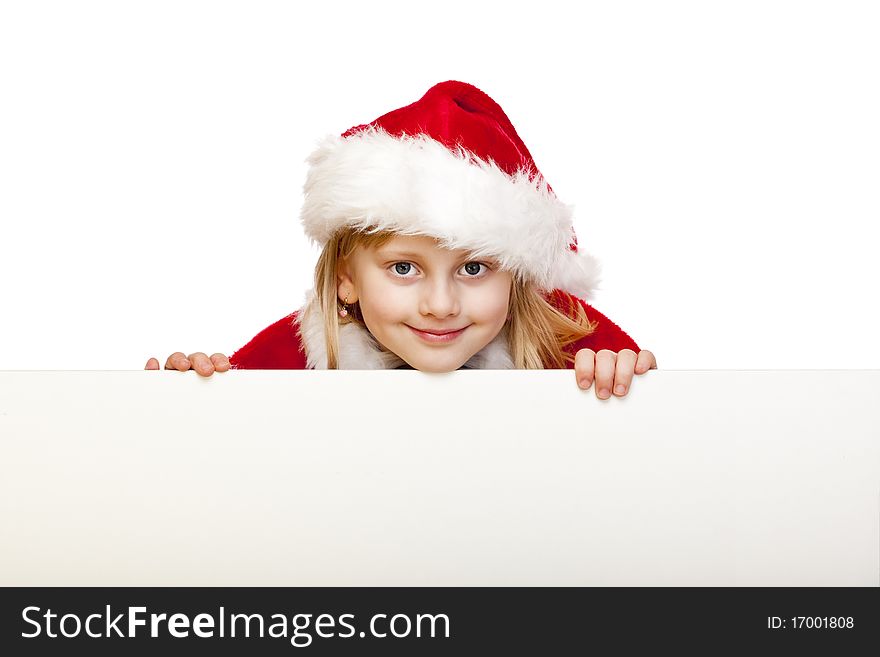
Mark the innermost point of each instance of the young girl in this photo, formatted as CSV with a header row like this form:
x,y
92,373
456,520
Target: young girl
x,y
443,248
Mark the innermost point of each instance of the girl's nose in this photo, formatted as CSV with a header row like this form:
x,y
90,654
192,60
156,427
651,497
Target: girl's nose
x,y
440,299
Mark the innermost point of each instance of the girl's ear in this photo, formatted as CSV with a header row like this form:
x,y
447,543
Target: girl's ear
x,y
345,288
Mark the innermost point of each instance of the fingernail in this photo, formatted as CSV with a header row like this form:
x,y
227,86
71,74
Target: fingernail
x,y
584,384
604,394
620,389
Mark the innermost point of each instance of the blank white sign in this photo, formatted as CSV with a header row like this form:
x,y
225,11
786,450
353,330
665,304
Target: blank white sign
x,y
406,478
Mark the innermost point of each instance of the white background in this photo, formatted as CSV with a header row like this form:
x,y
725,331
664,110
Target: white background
x,y
723,160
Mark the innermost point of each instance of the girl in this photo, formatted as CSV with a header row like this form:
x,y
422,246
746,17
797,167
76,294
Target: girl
x,y
443,248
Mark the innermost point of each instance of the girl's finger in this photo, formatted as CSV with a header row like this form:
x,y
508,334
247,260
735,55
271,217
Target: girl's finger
x,y
623,371
584,363
201,363
221,362
177,361
605,360
152,364
645,362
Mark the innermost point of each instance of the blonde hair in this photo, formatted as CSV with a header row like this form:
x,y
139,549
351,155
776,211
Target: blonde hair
x,y
538,331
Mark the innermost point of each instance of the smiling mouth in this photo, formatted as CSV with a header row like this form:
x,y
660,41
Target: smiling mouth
x,y
437,336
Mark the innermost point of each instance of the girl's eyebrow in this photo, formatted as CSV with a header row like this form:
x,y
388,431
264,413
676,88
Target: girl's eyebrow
x,y
395,254
391,253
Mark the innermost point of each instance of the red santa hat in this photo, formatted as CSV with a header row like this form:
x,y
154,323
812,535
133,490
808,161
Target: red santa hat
x,y
449,166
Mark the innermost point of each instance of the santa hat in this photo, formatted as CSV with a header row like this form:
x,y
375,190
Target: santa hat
x,y
449,166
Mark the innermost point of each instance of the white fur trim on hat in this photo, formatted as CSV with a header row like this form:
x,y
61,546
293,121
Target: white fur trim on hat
x,y
358,349
414,185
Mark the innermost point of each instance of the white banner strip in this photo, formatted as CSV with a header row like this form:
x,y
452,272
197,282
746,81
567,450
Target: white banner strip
x,y
472,478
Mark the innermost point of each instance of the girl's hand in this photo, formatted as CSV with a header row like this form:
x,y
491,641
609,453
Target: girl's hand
x,y
611,371
198,361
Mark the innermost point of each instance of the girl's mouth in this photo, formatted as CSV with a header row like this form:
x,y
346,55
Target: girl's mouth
x,y
437,337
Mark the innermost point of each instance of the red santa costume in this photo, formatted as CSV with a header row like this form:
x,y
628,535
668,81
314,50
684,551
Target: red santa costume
x,y
449,166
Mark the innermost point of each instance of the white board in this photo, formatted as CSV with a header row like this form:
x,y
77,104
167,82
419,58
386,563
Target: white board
x,y
472,478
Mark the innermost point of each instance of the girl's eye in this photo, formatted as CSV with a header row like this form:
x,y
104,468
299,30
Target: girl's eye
x,y
474,269
403,269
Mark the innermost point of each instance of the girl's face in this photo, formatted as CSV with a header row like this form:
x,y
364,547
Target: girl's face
x,y
433,307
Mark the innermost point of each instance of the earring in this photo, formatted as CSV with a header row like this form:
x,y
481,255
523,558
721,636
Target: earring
x,y
343,312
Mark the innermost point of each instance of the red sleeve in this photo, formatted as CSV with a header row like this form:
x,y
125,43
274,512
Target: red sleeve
x,y
607,335
276,347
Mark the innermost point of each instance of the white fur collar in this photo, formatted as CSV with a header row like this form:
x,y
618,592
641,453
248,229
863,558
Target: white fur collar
x,y
358,349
